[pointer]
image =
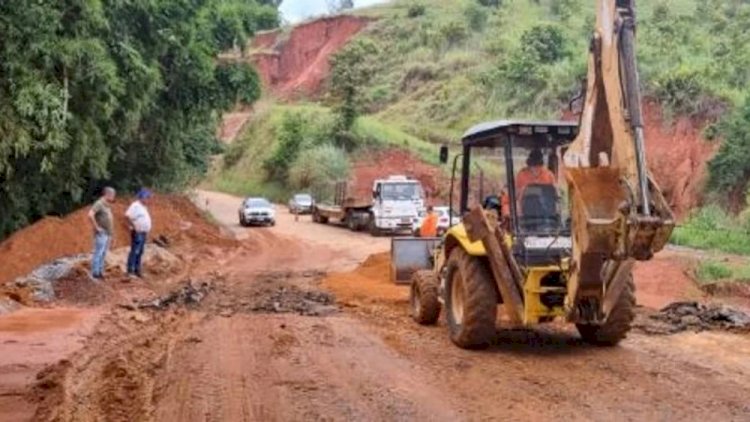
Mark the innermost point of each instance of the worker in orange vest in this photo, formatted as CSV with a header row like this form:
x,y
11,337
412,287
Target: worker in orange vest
x,y
429,224
534,173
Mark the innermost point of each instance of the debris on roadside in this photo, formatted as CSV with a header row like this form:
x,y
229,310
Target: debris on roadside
x,y
293,300
40,283
277,292
191,293
727,289
693,316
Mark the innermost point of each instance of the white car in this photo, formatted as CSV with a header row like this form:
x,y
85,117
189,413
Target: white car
x,y
444,223
257,211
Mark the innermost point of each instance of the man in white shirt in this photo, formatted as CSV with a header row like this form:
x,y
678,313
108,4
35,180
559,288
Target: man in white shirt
x,y
140,224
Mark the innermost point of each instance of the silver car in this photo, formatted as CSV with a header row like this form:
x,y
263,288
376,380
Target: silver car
x,y
301,203
257,211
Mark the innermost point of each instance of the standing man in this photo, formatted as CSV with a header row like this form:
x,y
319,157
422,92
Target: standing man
x,y
101,218
429,224
140,224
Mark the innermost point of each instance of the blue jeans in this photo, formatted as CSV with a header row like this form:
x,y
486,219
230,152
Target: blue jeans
x,y
137,245
101,245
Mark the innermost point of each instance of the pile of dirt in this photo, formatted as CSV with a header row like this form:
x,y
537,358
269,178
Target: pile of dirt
x,y
369,283
77,288
174,218
297,62
694,316
728,289
384,163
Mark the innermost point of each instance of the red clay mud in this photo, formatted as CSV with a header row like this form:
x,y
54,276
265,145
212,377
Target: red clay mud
x,y
298,62
678,155
53,237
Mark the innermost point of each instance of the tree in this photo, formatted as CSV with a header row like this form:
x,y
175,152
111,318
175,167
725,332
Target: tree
x,y
338,6
123,93
729,170
351,70
316,168
291,136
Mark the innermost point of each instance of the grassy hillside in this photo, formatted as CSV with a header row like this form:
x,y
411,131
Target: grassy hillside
x,y
443,65
242,169
440,66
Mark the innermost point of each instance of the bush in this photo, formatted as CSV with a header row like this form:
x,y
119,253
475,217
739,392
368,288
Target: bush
x,y
711,228
317,168
709,271
546,42
565,9
729,170
290,138
491,3
476,16
416,10
683,90
453,32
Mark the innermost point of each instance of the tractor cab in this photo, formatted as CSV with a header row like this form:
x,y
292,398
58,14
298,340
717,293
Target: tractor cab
x,y
513,168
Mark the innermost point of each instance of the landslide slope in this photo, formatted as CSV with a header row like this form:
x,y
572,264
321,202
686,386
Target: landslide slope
x,y
445,65
442,66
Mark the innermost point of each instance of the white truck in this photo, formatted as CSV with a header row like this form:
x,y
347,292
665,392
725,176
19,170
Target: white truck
x,y
394,204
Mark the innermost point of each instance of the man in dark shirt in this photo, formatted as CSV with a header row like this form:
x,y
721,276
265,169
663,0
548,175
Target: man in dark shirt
x,y
101,218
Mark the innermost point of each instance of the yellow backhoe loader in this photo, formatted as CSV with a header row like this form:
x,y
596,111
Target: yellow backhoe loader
x,y
577,210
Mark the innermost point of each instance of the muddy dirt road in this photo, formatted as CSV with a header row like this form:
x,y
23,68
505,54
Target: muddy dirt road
x,y
265,340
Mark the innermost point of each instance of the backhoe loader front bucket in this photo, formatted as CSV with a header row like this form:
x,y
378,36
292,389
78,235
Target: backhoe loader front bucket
x,y
411,254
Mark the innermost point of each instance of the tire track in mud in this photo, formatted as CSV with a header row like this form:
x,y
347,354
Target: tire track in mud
x,y
114,376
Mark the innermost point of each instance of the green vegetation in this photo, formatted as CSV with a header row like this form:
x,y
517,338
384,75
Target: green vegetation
x,y
316,167
350,71
292,147
713,271
444,65
710,271
713,228
126,93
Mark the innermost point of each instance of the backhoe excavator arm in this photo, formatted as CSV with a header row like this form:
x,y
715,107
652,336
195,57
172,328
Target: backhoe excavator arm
x,y
619,215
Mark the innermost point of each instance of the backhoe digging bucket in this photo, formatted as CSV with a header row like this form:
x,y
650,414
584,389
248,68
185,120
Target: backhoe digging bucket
x,y
411,254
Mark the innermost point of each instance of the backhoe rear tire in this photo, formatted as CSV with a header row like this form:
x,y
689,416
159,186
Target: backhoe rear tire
x,y
423,297
470,301
618,324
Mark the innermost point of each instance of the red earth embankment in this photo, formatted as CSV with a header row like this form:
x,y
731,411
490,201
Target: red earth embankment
x,y
677,154
297,63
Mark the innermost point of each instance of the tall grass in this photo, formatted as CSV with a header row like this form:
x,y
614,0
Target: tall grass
x,y
242,171
711,228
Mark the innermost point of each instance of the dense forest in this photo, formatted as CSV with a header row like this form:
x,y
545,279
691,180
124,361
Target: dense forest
x,y
121,92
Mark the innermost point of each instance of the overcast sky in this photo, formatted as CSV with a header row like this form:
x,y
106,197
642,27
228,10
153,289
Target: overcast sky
x,y
297,10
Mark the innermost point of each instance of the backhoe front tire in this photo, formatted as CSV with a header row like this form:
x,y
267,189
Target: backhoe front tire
x,y
470,300
618,324
423,297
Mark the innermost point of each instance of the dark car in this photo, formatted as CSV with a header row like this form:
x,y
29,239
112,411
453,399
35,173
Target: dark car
x,y
301,203
257,211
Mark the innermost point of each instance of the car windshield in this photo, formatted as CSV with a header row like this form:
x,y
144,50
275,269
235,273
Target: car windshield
x,y
401,191
302,198
257,203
